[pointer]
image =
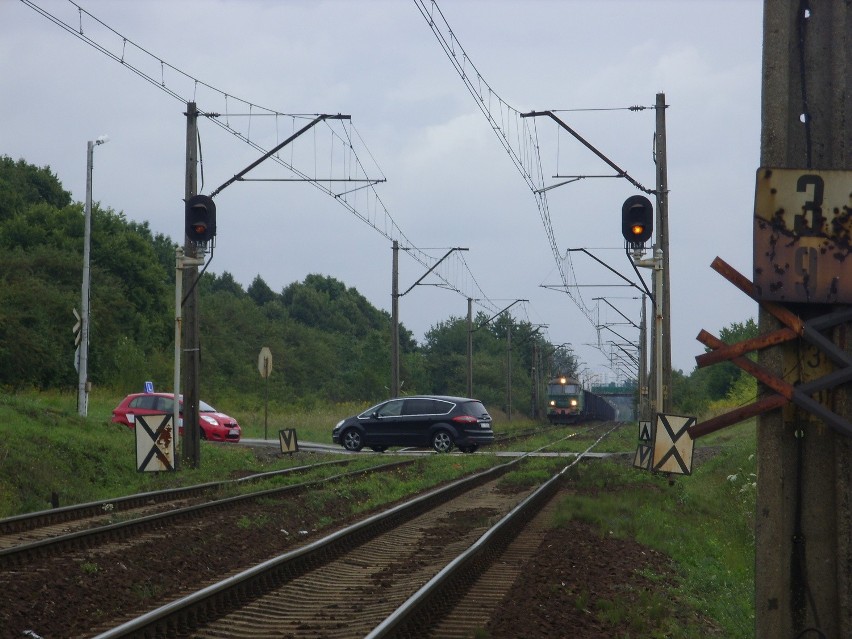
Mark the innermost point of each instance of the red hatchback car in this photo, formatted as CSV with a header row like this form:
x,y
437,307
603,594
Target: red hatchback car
x,y
215,426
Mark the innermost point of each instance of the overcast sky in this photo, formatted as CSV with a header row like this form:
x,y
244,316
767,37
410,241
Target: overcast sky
x,y
449,181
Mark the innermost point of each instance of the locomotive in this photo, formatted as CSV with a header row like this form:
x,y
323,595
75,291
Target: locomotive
x,y
568,402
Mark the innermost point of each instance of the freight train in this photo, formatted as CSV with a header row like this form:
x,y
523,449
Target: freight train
x,y
568,403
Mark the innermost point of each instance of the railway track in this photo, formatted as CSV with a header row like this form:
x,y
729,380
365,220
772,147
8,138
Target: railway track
x,y
67,515
46,533
368,578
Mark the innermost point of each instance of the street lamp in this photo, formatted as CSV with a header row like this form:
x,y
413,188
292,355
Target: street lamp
x,y
82,382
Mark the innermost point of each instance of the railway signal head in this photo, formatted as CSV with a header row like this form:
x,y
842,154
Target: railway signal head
x,y
200,219
637,220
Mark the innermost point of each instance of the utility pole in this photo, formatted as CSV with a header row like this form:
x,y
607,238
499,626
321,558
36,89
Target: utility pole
x,y
644,412
803,532
395,321
509,368
535,381
470,347
191,381
395,295
663,244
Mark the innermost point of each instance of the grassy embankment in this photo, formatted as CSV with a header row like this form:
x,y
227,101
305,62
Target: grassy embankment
x,y
704,522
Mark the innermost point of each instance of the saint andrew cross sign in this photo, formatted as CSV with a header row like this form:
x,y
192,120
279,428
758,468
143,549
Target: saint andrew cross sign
x,y
667,447
793,328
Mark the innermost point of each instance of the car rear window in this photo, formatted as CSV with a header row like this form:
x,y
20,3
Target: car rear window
x,y
474,409
145,402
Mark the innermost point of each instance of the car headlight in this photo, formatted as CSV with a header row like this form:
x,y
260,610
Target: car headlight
x,y
340,423
209,420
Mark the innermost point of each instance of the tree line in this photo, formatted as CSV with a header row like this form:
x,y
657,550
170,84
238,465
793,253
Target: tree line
x,y
329,343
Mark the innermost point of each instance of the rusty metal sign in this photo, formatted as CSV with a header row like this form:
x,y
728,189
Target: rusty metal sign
x,y
803,235
155,447
264,362
817,377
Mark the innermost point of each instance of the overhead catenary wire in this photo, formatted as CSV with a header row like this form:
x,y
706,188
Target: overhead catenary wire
x,y
166,76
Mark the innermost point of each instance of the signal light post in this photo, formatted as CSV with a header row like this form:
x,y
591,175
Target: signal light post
x,y
200,217
637,220
637,226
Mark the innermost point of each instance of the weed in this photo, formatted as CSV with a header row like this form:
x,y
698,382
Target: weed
x,y
146,590
258,521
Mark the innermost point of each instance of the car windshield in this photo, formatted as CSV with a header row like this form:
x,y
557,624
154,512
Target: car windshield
x,y
204,407
369,412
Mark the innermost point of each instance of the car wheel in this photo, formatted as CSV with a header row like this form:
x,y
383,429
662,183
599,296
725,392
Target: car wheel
x,y
379,449
442,442
352,440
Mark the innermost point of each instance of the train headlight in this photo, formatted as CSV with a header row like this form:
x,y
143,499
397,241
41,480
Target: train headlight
x,y
573,402
553,402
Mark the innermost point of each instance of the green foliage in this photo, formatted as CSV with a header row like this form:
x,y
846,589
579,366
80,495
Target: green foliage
x,y
723,384
22,184
329,344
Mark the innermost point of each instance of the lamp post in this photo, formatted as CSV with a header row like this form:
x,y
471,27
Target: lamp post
x,y
83,369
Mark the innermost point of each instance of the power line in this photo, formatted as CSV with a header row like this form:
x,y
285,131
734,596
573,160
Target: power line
x,y
516,135
343,135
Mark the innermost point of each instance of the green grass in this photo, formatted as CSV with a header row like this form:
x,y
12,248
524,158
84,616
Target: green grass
x,y
705,522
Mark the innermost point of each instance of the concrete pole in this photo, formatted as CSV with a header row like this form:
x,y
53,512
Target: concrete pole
x,y
85,318
470,347
82,395
662,215
395,321
191,340
659,318
803,532
178,328
509,368
644,412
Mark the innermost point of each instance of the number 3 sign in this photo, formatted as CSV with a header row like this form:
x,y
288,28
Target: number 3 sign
x,y
803,235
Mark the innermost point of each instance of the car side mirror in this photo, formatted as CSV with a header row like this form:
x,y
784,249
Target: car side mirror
x,y
375,415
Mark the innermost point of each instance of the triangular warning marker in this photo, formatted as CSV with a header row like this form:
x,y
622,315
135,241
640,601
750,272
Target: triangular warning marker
x,y
289,442
643,457
645,431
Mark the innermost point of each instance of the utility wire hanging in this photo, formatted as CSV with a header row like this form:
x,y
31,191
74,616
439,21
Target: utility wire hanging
x,y
167,77
518,138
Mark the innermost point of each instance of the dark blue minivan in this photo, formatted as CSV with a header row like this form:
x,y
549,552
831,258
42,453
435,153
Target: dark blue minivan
x,y
436,421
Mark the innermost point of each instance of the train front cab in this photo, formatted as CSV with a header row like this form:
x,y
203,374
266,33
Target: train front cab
x,y
564,400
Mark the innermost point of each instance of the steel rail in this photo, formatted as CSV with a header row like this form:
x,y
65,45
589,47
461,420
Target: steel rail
x,y
431,601
211,602
18,555
43,518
